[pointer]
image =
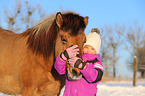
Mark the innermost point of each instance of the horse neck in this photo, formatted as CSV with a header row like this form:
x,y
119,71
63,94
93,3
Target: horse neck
x,y
45,62
48,62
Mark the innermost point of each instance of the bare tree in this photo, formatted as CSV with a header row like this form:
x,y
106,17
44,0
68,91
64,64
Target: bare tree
x,y
23,16
12,16
113,40
105,51
29,12
135,37
135,41
141,60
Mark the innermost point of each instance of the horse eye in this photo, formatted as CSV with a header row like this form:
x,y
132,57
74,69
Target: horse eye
x,y
85,41
64,41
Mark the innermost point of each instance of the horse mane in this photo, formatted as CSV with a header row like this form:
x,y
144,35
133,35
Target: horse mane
x,y
42,37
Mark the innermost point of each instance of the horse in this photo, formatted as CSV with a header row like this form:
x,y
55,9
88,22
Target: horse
x,y
27,58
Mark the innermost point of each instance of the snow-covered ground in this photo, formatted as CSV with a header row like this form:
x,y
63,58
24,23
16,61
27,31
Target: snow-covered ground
x,y
121,89
116,88
105,90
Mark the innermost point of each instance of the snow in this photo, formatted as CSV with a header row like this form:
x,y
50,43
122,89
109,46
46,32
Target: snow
x,y
116,88
105,90
120,88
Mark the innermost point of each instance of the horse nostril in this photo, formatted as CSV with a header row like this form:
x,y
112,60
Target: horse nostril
x,y
74,72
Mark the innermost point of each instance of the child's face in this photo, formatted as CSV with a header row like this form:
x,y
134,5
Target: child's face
x,y
89,49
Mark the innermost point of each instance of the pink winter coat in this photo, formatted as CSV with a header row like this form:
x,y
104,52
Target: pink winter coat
x,y
87,85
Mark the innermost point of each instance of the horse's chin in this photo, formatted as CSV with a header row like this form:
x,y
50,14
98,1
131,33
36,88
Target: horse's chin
x,y
73,74
74,77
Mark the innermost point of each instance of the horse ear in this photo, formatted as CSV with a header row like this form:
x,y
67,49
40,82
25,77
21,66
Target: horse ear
x,y
86,20
59,20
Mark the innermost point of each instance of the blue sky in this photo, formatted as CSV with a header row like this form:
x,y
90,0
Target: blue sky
x,y
100,12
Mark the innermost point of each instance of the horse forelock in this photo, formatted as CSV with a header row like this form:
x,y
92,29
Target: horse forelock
x,y
73,22
42,37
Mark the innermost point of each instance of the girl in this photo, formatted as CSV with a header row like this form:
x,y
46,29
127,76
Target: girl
x,y
90,66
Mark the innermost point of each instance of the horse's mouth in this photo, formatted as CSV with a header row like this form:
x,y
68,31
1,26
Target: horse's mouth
x,y
73,74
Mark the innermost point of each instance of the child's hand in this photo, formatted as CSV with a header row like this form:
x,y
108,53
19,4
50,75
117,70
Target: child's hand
x,y
70,52
77,62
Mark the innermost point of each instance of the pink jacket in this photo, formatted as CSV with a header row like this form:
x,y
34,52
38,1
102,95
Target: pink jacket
x,y
87,85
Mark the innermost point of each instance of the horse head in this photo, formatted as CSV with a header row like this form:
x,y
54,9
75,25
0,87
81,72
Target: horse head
x,y
71,32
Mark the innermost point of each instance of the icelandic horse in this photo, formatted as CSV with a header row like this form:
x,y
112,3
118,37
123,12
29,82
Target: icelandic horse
x,y
26,59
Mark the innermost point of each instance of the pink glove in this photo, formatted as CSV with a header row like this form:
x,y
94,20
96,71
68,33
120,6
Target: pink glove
x,y
77,62
70,52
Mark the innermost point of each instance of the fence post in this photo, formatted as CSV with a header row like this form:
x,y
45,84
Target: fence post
x,y
135,71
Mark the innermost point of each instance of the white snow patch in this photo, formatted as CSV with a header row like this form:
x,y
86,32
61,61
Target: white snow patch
x,y
105,90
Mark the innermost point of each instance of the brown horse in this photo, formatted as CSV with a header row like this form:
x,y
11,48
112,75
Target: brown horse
x,y
26,59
